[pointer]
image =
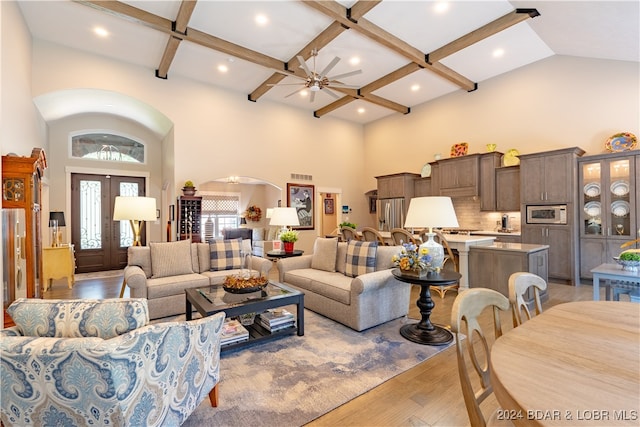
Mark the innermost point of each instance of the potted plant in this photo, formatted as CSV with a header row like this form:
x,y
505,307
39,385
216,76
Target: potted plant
x,y
189,189
288,238
348,224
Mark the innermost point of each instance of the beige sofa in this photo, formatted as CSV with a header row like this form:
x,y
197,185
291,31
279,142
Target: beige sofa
x,y
262,240
161,272
360,302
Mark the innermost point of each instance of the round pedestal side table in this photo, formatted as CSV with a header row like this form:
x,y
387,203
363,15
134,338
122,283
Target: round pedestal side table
x,y
425,332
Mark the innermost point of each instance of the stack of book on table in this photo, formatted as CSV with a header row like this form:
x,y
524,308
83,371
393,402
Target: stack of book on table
x,y
275,320
233,332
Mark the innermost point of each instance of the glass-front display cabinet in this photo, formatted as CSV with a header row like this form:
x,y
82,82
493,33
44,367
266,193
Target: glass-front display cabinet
x,y
22,232
608,213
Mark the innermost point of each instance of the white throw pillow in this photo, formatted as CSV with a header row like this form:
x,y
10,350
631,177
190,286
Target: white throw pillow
x,y
324,254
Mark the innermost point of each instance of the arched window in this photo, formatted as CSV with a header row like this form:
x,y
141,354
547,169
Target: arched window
x,y
107,146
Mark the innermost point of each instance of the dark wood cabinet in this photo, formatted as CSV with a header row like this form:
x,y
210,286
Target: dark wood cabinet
x,y
21,189
549,177
508,189
608,202
491,266
459,176
189,218
489,162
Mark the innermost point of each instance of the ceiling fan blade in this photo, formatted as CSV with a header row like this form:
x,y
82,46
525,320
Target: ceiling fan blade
x,y
290,75
296,91
312,96
284,84
330,92
341,76
343,86
303,65
329,67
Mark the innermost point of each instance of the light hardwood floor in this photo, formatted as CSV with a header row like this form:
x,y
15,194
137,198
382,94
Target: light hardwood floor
x,y
427,395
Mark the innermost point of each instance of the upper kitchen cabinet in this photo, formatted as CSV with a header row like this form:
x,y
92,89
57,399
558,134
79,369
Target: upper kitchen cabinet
x,y
396,185
508,189
608,189
460,176
549,177
489,162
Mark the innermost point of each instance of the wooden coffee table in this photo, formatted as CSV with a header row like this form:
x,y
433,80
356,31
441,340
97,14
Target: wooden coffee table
x,y
214,299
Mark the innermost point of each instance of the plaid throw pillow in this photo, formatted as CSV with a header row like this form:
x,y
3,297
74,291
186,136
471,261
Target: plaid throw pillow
x,y
361,258
225,254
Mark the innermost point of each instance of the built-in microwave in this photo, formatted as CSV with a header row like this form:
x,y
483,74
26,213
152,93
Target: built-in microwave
x,y
546,214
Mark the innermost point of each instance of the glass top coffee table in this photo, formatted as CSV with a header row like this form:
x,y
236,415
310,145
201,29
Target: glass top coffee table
x,y
214,299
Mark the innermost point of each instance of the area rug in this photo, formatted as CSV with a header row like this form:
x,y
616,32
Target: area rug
x,y
293,380
99,275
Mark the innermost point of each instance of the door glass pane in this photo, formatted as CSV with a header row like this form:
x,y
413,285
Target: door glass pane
x,y
592,198
90,215
129,189
620,206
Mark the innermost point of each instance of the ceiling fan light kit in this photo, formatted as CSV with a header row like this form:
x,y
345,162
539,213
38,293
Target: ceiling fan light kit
x,y
317,81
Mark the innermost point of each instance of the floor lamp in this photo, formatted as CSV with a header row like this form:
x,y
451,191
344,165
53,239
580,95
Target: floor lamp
x,y
136,210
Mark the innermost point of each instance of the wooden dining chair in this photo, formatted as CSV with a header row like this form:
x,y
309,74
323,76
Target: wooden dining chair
x,y
519,284
372,235
464,324
400,236
349,233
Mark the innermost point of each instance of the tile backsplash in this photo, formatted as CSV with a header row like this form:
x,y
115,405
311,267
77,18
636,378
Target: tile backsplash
x,y
470,216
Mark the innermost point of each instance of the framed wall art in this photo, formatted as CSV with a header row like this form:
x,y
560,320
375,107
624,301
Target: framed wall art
x,y
302,197
329,208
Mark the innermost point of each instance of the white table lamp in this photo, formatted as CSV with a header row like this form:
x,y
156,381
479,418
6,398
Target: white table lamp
x,y
431,212
136,210
284,217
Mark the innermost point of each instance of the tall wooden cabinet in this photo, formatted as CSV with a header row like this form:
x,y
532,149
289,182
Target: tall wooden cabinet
x,y
189,218
550,178
609,205
21,189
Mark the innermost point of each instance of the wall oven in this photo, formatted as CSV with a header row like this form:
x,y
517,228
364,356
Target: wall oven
x,y
546,214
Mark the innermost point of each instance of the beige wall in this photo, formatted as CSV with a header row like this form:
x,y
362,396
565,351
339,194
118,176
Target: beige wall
x,y
219,133
557,102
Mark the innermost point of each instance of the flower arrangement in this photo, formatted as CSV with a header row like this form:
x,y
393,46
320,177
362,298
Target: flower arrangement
x,y
289,236
253,213
413,258
348,224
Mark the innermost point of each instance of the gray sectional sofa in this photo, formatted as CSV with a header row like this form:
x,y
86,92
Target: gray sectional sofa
x,y
161,272
326,277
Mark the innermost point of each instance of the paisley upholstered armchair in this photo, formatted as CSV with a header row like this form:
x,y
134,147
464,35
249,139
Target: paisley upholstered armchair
x,y
99,362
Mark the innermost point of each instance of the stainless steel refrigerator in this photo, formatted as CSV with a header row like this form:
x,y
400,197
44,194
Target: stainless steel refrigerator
x,y
390,214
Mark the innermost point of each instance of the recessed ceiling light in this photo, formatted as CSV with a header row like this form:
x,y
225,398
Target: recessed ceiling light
x,y
498,53
354,61
441,7
304,93
361,110
223,68
262,20
415,88
99,31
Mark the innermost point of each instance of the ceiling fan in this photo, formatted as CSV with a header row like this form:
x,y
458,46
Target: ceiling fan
x,y
318,81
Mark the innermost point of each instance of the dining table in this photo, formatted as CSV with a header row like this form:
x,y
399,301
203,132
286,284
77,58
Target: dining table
x,y
575,364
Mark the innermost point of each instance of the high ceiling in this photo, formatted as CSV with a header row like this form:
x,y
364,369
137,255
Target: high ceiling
x,y
409,52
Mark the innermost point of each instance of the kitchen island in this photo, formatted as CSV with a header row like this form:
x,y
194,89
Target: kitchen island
x,y
463,243
490,266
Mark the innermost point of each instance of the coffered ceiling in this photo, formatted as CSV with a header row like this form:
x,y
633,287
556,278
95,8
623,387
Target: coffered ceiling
x,y
410,52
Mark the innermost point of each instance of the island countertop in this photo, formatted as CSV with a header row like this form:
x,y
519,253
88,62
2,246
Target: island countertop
x,y
513,247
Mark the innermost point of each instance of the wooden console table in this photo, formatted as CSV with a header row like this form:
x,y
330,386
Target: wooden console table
x,y
58,262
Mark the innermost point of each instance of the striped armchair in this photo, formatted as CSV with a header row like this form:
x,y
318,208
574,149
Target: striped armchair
x,y
99,362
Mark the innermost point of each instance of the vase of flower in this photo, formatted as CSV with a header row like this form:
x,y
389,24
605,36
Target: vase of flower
x,y
413,261
189,189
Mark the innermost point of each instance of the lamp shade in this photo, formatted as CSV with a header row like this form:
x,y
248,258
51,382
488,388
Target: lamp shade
x,y
57,216
284,217
431,212
269,212
134,208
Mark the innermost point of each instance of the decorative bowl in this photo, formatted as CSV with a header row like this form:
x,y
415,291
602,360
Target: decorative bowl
x,y
240,285
627,265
